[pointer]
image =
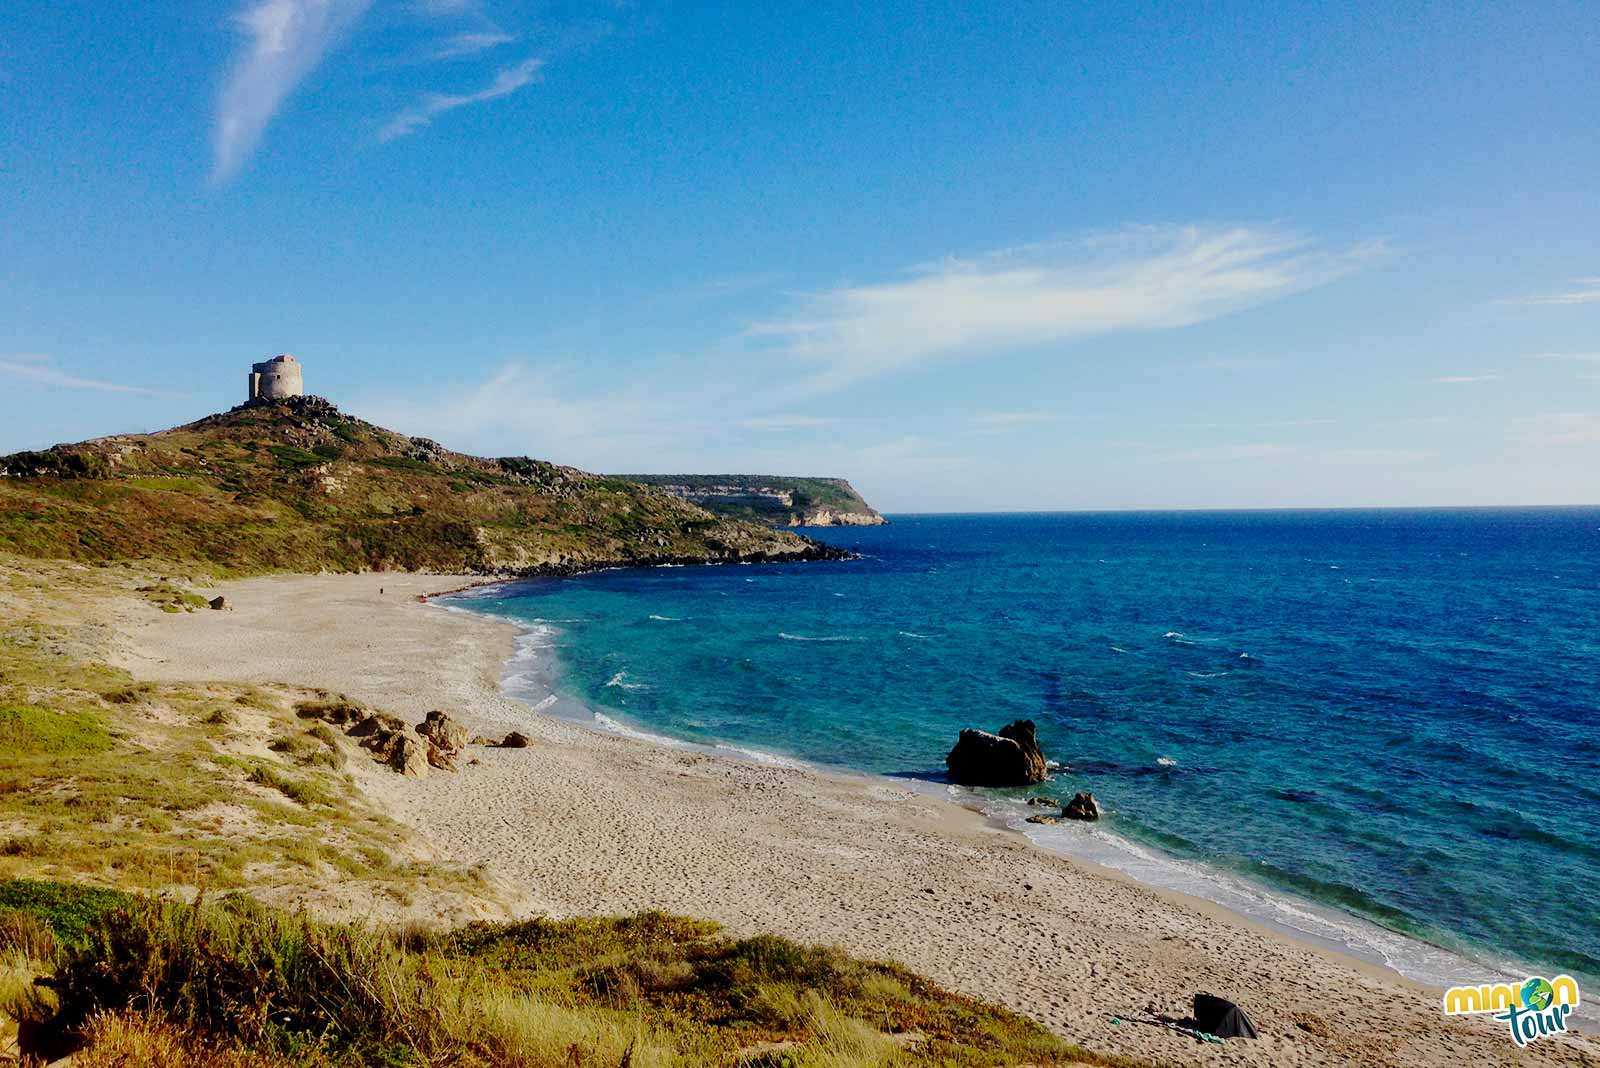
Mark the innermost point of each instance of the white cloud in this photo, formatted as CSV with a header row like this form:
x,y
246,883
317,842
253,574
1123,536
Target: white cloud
x,y
1587,292
1584,357
285,40
1557,429
434,104
1461,380
467,44
36,368
1143,279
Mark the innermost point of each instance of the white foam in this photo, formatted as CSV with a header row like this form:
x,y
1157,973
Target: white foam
x,y
626,731
1319,924
824,638
913,634
617,682
546,703
667,619
1166,762
769,759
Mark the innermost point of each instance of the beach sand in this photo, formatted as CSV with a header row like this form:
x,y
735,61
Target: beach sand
x,y
589,822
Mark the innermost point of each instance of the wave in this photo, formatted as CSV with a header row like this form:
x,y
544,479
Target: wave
x,y
825,638
913,634
546,703
1205,674
1118,649
616,681
1166,762
626,731
667,619
771,760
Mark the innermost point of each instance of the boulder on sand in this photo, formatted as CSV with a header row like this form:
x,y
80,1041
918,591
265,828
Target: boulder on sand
x,y
1009,758
407,757
515,740
218,603
1083,806
445,738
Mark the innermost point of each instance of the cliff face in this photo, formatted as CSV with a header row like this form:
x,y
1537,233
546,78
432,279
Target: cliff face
x,y
774,500
297,485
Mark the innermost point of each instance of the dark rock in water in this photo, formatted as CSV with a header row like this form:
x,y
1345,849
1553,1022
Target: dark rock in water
x,y
515,740
1043,819
218,603
1042,800
1083,806
1009,758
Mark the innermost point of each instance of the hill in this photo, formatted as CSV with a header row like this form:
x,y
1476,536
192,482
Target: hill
x,y
775,500
298,485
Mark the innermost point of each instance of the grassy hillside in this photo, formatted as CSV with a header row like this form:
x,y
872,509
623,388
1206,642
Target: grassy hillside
x,y
773,500
300,486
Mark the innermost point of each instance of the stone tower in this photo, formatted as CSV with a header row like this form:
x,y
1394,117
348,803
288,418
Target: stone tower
x,y
279,377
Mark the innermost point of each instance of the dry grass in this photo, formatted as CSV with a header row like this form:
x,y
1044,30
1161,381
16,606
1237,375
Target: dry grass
x,y
233,983
133,1040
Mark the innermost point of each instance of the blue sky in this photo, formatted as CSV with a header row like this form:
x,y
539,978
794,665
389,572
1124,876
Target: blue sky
x,y
1020,256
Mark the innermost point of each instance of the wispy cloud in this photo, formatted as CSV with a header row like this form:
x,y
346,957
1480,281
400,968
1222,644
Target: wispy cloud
x,y
1462,380
789,422
1004,422
1142,279
1587,291
35,368
1303,456
285,40
467,44
434,104
1583,357
1557,429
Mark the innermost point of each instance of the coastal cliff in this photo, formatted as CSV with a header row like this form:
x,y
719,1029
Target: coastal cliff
x,y
297,485
775,500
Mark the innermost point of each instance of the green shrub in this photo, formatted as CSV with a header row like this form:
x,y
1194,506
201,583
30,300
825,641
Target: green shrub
x,y
32,730
68,910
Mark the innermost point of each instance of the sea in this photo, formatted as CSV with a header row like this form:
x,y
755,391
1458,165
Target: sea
x,y
1378,730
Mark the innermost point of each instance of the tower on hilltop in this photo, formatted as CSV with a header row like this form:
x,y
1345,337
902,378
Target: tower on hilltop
x,y
276,379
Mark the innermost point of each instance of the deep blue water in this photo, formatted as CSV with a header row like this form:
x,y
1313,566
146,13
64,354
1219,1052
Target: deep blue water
x,y
1390,712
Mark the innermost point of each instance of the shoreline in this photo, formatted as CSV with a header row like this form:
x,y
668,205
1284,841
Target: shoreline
x,y
590,822
535,665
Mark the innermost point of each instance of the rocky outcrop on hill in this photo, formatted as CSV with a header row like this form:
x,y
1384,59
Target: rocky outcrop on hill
x,y
1009,758
774,500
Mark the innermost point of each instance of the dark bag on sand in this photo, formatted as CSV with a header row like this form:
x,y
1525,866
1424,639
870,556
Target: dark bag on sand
x,y
1221,1017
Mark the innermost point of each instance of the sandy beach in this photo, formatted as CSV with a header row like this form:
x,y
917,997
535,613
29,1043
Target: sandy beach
x,y
587,822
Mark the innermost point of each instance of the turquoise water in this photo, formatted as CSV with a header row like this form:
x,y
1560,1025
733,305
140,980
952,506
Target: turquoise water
x,y
1392,713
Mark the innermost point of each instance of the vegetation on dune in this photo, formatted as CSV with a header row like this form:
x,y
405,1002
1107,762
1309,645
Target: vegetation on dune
x,y
150,785
232,983
299,486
